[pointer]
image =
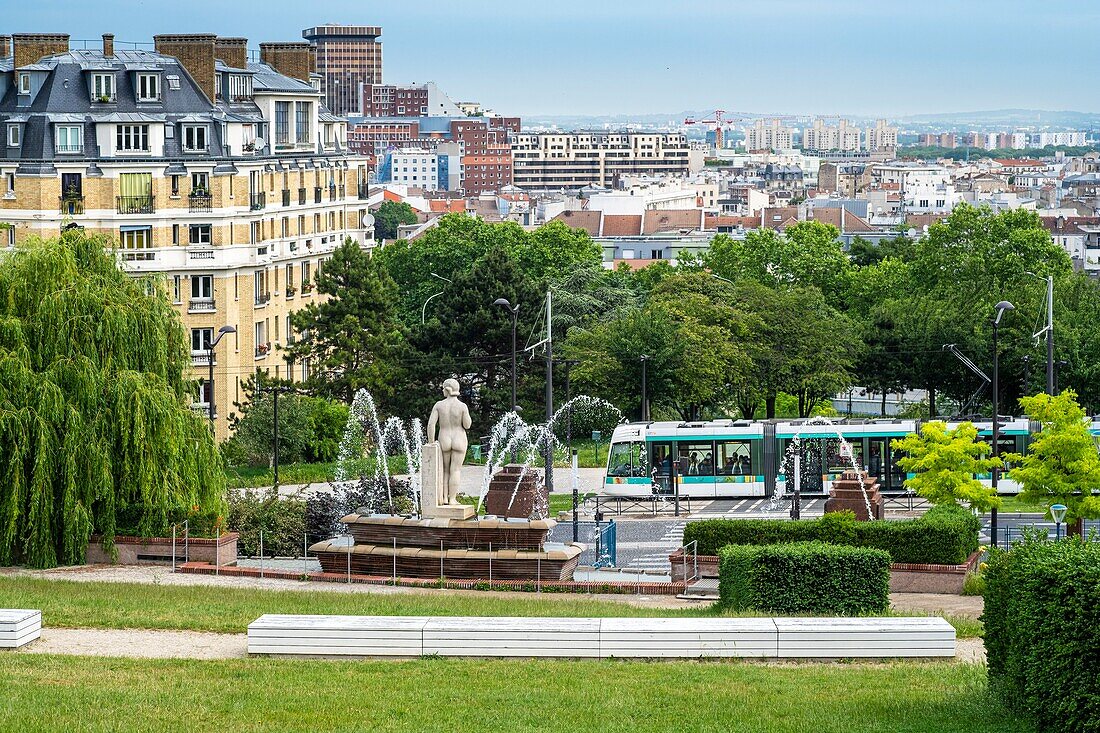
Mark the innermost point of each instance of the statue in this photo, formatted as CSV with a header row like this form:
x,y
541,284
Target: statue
x,y
452,417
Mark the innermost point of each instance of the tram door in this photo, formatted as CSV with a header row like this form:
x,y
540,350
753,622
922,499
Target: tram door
x,y
660,462
811,466
876,462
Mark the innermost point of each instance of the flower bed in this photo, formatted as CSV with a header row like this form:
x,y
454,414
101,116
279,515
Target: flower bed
x,y
158,550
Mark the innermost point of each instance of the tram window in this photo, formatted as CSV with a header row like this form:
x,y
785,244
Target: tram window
x,y
638,460
697,458
660,463
619,462
735,458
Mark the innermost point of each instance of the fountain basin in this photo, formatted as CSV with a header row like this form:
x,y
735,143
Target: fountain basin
x,y
429,532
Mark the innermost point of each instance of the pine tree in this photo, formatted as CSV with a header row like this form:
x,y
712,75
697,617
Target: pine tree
x,y
93,413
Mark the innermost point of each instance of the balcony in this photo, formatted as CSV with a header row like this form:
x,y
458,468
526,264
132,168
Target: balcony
x,y
257,201
136,204
263,298
68,148
286,197
201,358
317,195
301,197
364,191
200,202
201,305
202,409
70,205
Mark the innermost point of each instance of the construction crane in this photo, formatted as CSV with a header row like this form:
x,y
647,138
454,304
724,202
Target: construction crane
x,y
714,118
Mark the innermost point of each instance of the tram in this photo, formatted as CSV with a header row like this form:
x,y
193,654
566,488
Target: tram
x,y
743,458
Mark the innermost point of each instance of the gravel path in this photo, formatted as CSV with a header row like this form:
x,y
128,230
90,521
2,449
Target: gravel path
x,y
139,644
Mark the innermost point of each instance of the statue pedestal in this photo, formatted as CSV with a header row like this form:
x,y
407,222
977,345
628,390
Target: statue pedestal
x,y
431,488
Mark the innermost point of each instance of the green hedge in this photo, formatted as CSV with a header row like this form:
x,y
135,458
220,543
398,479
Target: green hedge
x,y
944,535
804,577
1042,631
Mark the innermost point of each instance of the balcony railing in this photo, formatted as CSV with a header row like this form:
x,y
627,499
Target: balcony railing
x,y
257,201
202,409
286,197
68,148
200,202
201,305
70,205
317,195
262,350
263,298
201,357
301,196
364,191
136,204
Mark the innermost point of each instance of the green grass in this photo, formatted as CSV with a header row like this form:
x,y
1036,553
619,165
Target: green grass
x,y
1013,504
210,608
52,693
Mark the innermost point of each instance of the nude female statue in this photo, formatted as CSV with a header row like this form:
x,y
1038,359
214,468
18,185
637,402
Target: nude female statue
x,y
452,417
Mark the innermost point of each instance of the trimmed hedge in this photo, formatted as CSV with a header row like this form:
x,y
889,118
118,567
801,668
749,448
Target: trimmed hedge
x,y
1042,631
945,535
804,577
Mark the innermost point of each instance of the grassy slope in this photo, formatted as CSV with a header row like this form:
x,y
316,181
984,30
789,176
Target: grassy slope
x,y
90,694
209,608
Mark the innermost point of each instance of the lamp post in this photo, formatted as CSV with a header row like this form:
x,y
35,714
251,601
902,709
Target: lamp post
x,y
210,359
275,392
999,311
1058,514
645,392
424,308
514,311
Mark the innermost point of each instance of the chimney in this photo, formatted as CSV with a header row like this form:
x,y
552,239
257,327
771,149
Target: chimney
x,y
5,47
232,51
312,59
108,45
28,48
195,52
289,59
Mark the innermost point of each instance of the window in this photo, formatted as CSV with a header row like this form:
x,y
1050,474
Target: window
x,y
698,458
14,136
132,138
282,122
202,287
194,138
175,185
136,243
70,138
240,87
148,87
175,234
200,183
201,338
103,87
199,234
734,458
10,180
302,113
24,83
305,274
627,459
176,288
289,277
261,338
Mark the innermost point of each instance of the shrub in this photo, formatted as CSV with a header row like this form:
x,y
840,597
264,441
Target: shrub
x,y
1042,612
946,534
282,521
138,520
804,577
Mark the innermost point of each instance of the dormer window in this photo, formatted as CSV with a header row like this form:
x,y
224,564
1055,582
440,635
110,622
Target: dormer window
x,y
15,136
24,83
148,87
240,87
103,87
194,138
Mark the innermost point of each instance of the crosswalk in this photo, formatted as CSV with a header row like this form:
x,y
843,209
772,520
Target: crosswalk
x,y
748,508
672,539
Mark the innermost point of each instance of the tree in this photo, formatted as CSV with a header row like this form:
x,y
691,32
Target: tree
x,y
1061,464
310,429
946,462
94,416
352,340
389,216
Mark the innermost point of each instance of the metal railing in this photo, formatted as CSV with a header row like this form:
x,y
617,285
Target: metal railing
x,y
257,201
136,204
606,545
907,500
694,545
70,205
201,358
200,202
201,305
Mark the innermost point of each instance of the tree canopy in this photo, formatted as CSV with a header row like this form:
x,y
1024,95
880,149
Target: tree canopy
x,y
389,216
94,416
945,463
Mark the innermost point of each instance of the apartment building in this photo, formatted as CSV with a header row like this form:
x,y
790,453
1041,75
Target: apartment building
x,y
822,137
938,139
347,57
769,135
881,137
227,178
578,159
413,100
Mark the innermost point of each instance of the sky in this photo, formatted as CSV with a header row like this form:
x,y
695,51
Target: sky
x,y
604,57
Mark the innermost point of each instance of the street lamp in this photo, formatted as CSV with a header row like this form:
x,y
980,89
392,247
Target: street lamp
x,y
645,392
514,310
424,308
723,279
210,360
275,392
1058,514
999,309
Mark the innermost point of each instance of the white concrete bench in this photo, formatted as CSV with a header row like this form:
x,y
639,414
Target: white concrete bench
x,y
18,627
623,638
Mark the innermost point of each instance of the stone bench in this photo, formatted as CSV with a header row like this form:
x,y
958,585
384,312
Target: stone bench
x,y
622,638
18,627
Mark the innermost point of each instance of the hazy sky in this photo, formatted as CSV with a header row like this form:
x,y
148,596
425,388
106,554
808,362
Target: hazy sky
x,y
638,56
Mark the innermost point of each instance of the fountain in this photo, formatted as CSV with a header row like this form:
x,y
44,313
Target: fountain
x,y
852,492
445,538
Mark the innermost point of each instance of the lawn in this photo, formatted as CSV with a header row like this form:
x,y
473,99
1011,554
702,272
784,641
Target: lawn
x,y
540,696
211,608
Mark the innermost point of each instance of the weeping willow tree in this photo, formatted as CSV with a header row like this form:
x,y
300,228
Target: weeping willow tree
x,y
94,418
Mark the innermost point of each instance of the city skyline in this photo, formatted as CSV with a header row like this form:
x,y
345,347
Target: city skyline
x,y
785,57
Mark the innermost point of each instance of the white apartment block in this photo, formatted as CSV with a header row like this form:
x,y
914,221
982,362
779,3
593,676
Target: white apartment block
x,y
769,135
820,136
577,159
881,137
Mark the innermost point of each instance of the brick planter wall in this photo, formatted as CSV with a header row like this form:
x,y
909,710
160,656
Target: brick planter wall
x,y
146,550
